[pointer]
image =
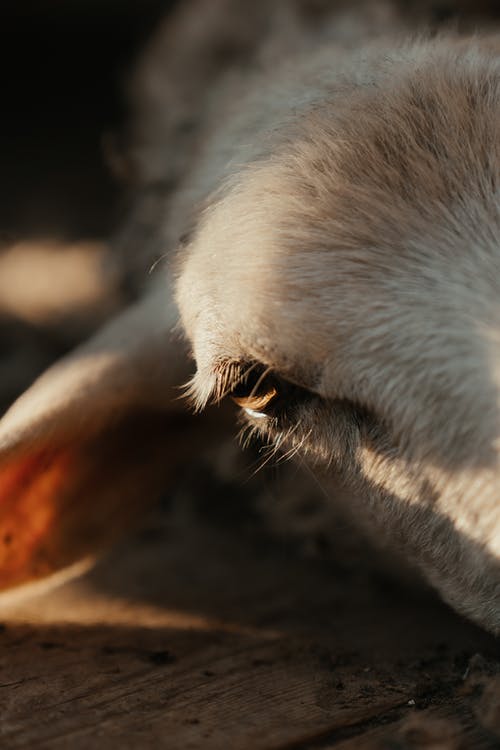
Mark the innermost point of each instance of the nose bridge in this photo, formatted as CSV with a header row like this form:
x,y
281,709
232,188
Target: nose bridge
x,y
459,401
493,337
453,314
427,360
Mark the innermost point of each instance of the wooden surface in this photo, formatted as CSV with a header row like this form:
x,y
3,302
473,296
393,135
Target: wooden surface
x,y
203,631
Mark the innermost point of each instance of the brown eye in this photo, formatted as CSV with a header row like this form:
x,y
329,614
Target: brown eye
x,y
256,392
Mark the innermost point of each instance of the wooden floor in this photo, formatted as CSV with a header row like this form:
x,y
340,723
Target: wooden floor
x,y
209,635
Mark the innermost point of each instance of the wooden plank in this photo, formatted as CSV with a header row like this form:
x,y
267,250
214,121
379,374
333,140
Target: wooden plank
x,y
443,727
195,636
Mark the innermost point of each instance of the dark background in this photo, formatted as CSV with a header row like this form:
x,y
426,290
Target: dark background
x,y
63,70
64,65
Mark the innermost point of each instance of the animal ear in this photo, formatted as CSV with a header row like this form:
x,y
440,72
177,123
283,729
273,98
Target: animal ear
x,y
92,440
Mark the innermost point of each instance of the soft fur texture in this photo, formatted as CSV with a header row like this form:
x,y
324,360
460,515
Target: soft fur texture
x,y
330,178
349,243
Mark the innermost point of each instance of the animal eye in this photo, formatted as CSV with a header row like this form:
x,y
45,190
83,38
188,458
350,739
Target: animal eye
x,y
262,393
256,393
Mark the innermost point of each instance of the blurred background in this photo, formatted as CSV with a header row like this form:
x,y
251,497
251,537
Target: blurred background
x,y
63,72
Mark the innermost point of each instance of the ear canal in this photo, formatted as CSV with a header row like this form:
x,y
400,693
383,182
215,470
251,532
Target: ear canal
x,y
87,446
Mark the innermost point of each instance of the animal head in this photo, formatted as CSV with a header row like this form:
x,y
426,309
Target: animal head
x,y
344,287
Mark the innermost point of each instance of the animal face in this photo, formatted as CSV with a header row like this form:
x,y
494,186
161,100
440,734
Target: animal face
x,y
343,285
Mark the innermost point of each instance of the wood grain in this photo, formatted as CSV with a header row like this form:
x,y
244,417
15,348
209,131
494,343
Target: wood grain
x,y
194,634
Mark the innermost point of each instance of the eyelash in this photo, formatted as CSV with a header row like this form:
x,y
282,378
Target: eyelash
x,y
262,394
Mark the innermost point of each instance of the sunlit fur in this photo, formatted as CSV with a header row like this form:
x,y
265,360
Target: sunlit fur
x,y
341,227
